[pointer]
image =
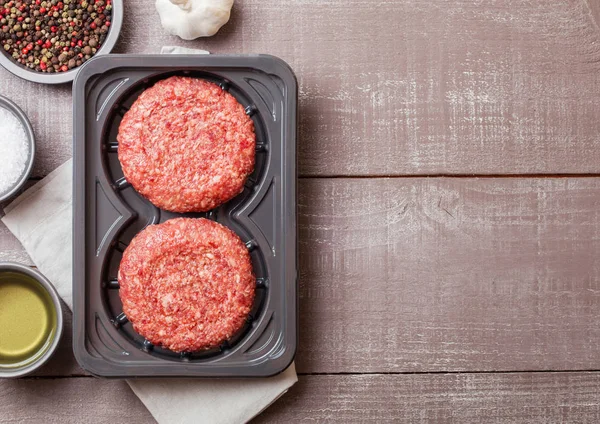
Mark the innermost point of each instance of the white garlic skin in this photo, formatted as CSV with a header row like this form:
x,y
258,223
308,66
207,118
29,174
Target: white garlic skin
x,y
190,19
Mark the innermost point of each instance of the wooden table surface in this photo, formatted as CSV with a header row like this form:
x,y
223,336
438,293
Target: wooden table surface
x,y
449,201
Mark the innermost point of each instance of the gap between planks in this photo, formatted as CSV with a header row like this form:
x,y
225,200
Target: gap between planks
x,y
457,176
305,374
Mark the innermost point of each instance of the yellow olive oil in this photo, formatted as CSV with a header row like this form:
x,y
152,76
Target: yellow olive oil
x,y
27,320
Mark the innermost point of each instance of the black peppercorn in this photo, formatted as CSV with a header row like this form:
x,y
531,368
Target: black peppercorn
x,y
53,35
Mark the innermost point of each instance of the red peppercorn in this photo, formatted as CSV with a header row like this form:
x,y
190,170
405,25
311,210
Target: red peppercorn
x,y
29,43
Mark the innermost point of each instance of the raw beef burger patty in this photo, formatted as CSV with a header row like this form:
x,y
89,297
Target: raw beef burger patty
x,y
186,284
187,145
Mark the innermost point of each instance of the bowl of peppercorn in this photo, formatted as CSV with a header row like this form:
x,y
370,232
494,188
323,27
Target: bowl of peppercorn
x,y
46,41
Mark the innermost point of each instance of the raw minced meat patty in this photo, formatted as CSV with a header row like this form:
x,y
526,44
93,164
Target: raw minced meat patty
x,y
187,145
186,284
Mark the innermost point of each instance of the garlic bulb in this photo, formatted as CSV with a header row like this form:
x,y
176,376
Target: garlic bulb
x,y
191,19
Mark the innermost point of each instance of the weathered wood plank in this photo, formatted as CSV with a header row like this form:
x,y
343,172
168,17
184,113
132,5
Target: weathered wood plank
x,y
464,398
401,87
445,275
434,398
70,400
449,274
10,248
594,7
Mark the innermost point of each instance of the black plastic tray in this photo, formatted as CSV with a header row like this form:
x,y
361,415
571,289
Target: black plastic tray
x,y
108,213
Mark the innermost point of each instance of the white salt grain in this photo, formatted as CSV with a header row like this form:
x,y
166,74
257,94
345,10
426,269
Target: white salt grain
x,y
14,150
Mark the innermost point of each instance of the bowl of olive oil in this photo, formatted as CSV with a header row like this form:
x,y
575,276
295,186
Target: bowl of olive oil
x,y
31,320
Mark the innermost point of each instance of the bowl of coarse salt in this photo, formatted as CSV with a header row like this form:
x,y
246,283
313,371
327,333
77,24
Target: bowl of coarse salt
x,y
17,148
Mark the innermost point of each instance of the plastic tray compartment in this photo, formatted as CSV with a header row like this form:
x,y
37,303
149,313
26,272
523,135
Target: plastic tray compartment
x,y
108,213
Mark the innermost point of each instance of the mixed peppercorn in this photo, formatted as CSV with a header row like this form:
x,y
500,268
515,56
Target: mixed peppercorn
x,y
53,35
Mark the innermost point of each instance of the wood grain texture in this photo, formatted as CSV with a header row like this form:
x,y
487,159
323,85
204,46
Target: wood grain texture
x,y
401,86
449,274
445,274
406,274
11,249
455,398
435,398
70,400
594,8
